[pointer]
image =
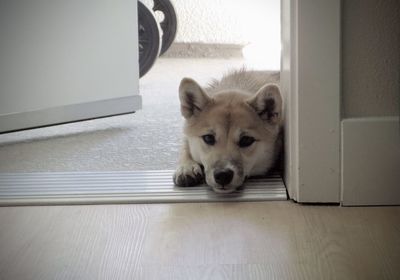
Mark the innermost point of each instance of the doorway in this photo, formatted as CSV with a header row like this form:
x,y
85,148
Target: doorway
x,y
213,37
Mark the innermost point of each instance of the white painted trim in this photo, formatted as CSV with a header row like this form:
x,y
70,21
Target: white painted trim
x,y
70,113
371,161
311,86
288,87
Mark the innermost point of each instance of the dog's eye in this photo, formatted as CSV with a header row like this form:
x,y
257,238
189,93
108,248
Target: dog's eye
x,y
246,141
209,139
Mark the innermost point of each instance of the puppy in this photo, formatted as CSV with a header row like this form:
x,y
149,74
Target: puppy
x,y
232,130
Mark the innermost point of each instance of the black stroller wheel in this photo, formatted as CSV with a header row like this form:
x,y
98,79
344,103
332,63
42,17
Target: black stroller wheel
x,y
149,39
169,24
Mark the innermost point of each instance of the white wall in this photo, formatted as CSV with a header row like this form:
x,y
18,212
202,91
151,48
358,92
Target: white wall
x,y
227,21
370,58
370,102
254,24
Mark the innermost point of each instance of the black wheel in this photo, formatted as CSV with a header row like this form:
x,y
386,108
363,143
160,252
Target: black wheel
x,y
169,23
149,39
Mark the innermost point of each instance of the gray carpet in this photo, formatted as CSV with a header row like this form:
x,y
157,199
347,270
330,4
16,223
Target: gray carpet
x,y
146,140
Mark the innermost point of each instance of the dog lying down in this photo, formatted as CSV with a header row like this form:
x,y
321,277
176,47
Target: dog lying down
x,y
232,130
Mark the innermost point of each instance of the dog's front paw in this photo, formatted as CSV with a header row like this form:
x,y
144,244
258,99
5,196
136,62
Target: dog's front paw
x,y
188,174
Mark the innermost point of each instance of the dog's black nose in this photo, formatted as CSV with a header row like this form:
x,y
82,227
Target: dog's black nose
x,y
223,176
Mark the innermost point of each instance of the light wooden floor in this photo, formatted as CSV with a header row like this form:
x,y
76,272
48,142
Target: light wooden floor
x,y
269,240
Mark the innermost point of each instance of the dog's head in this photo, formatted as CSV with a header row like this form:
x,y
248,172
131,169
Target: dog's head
x,y
231,134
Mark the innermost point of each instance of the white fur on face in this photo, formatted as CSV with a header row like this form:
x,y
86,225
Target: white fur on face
x,y
218,157
227,154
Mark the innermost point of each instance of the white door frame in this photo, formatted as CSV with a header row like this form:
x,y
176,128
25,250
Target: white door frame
x,y
311,85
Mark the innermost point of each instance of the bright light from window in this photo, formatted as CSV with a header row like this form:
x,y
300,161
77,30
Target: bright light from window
x,y
262,56
260,21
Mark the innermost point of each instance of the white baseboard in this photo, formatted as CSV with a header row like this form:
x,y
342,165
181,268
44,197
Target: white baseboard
x,y
70,113
371,161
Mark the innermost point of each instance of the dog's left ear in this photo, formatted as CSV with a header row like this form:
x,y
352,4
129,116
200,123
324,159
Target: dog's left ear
x,y
268,103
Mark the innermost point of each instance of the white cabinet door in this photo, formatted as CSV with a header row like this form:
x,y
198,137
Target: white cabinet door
x,y
63,61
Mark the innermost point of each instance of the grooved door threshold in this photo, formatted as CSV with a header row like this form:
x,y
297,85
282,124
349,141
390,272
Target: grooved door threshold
x,y
53,188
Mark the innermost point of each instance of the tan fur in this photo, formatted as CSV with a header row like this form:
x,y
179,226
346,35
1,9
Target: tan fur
x,y
242,105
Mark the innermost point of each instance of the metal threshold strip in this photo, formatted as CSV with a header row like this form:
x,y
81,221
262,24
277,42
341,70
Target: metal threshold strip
x,y
53,188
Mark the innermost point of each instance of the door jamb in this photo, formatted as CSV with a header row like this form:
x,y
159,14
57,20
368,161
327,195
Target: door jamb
x,y
310,81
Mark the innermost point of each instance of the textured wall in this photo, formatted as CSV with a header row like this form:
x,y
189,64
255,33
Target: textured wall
x,y
227,21
371,57
208,21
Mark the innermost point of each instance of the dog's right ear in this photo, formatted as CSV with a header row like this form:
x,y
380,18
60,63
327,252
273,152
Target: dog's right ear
x,y
193,98
267,103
